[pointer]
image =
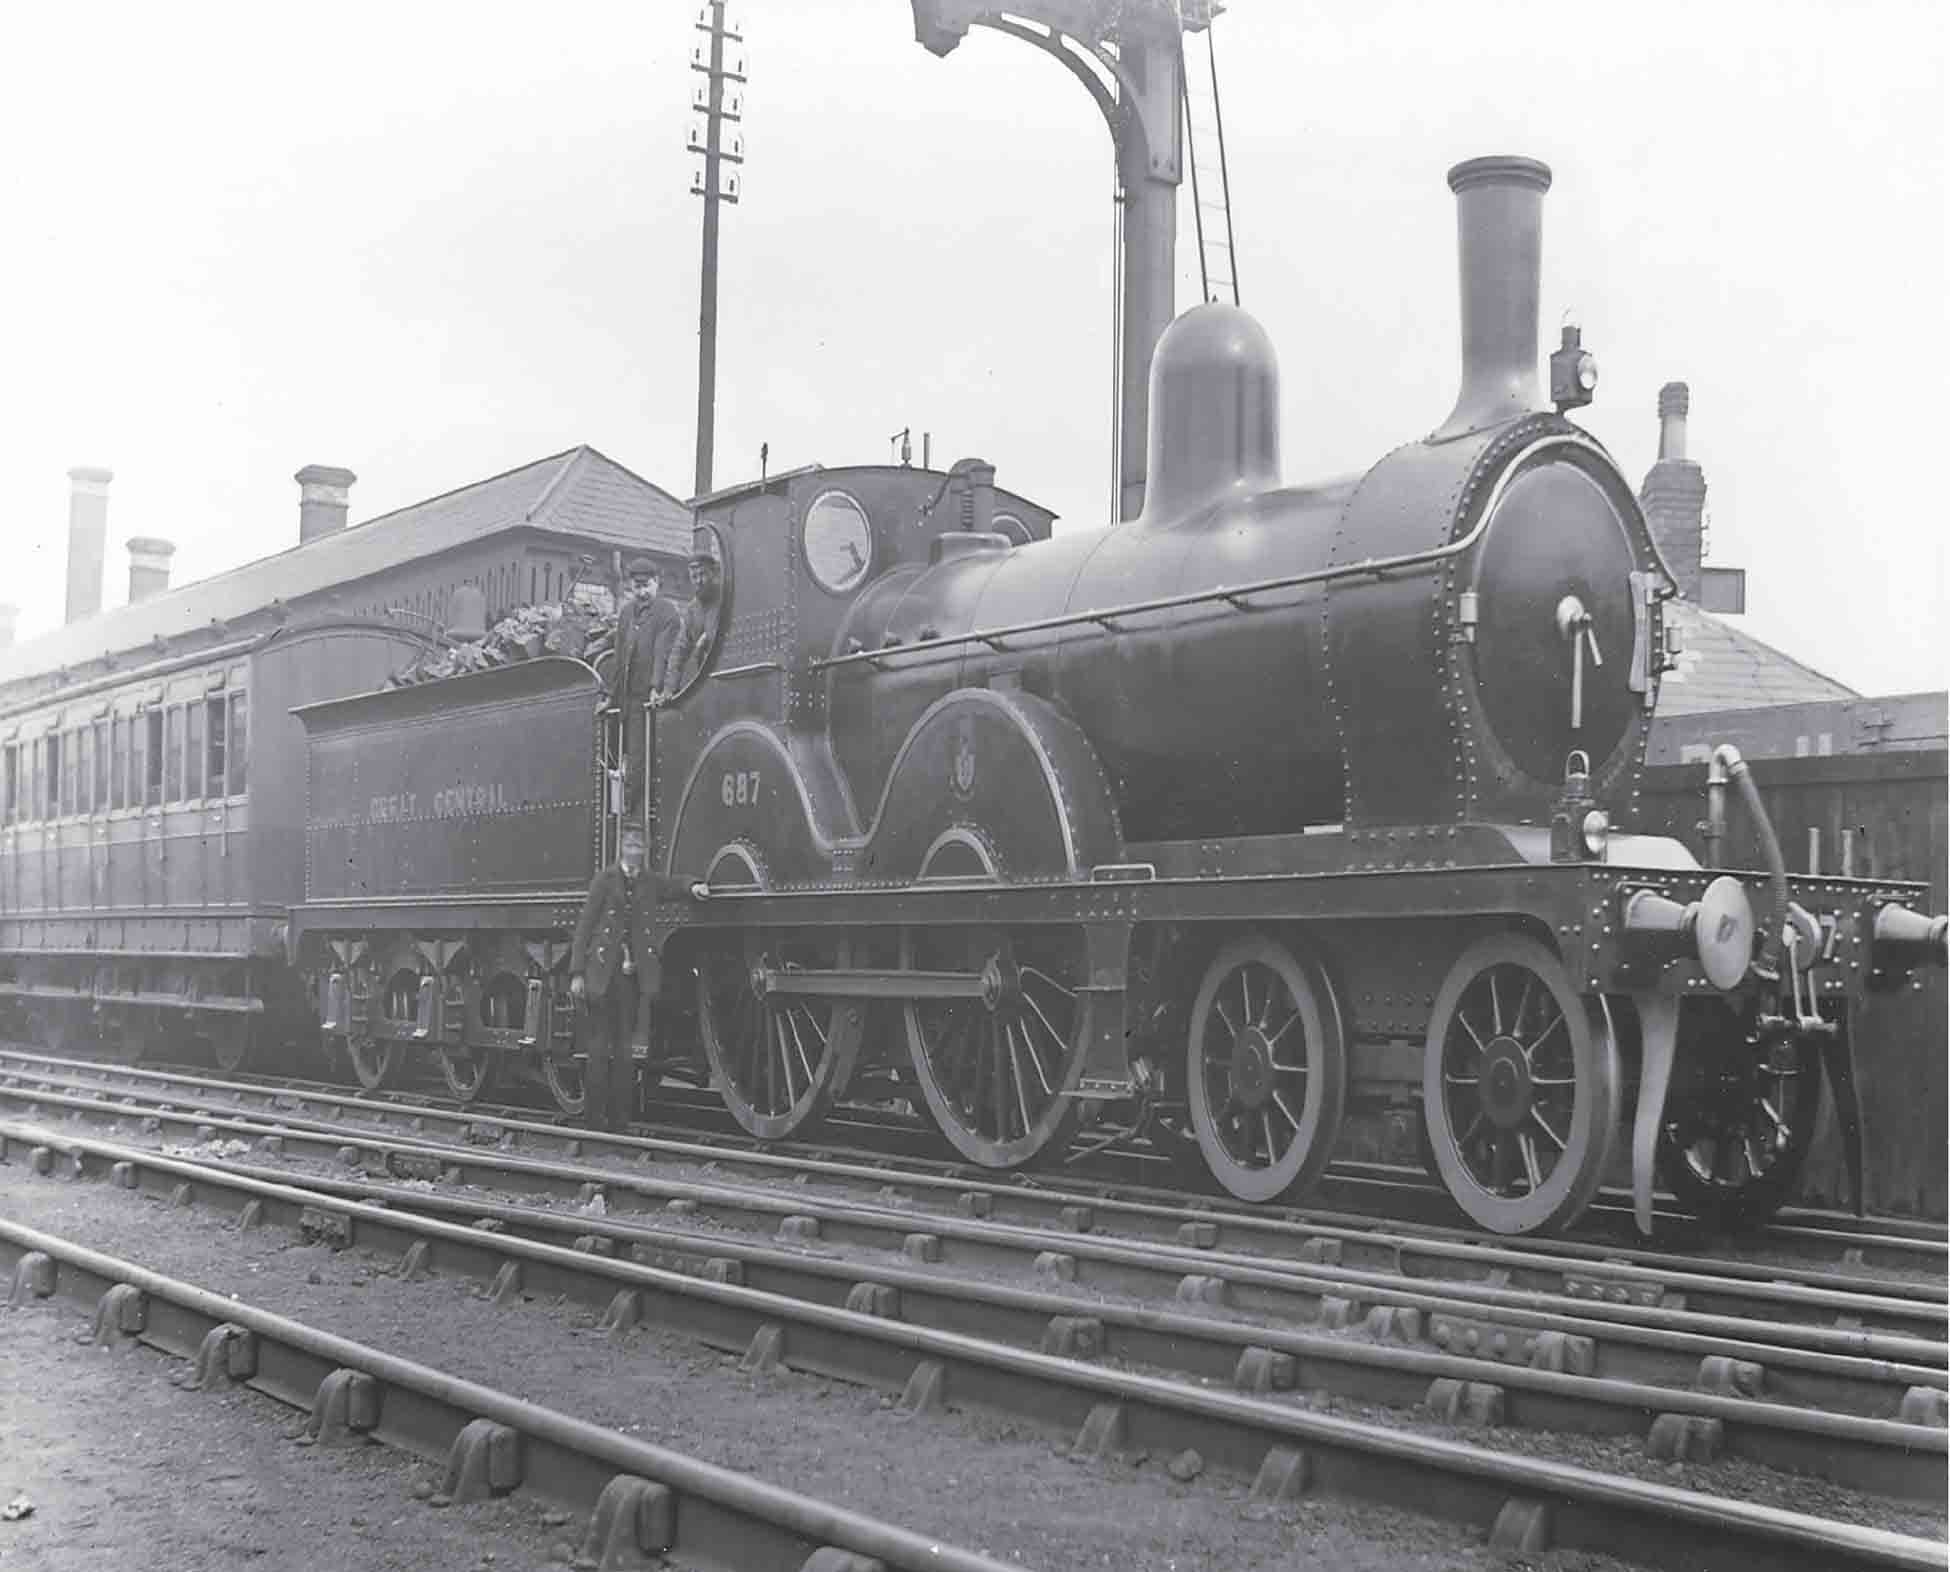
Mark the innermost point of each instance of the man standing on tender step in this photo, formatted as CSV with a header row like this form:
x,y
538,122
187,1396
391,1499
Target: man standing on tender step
x,y
611,965
646,627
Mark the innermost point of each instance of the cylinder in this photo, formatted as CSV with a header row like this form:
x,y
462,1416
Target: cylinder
x,y
1500,235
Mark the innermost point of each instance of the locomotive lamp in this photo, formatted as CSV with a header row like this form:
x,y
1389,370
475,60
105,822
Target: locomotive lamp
x,y
1574,371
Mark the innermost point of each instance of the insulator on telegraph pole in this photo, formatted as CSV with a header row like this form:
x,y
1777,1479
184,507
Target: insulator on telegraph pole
x,y
719,98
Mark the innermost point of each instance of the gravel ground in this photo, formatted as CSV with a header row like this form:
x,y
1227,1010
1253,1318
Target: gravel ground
x,y
990,1485
124,1469
1732,1477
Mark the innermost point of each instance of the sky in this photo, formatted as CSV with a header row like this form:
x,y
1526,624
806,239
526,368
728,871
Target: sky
x,y
432,241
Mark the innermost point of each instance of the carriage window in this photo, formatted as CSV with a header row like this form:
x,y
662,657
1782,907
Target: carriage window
x,y
238,739
192,751
213,754
146,757
9,783
83,742
118,762
101,766
54,794
172,761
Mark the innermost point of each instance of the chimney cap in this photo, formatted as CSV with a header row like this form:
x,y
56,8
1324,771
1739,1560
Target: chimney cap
x,y
1497,169
1675,398
324,475
92,474
151,546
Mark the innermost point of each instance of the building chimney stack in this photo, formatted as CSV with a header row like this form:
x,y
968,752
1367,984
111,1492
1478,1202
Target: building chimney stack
x,y
322,502
1675,399
1674,495
9,618
87,539
149,567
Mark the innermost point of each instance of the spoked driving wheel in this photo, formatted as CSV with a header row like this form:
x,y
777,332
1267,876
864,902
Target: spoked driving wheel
x,y
1265,1069
996,1070
778,1059
1739,1117
1519,1087
377,1061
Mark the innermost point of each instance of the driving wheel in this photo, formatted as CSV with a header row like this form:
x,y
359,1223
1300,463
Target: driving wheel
x,y
1265,1069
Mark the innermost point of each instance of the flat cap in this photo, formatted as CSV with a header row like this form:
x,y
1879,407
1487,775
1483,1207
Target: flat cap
x,y
639,566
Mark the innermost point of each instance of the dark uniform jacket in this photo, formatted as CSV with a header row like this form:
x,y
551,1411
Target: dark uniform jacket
x,y
609,919
649,630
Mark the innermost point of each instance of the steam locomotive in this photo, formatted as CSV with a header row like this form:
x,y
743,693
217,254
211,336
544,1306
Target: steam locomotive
x,y
1270,808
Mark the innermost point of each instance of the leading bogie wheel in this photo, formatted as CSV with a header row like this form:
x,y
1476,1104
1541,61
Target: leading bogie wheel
x,y
1265,1069
1519,1087
778,1059
997,1072
1740,1115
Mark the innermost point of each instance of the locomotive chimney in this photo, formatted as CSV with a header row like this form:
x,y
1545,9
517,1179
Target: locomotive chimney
x,y
322,504
149,567
87,539
1499,229
1215,412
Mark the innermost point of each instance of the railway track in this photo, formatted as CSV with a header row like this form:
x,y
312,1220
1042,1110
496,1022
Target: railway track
x,y
639,1499
1837,1398
1524,1500
1406,1202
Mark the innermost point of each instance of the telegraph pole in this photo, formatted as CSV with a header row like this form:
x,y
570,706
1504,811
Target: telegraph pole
x,y
716,186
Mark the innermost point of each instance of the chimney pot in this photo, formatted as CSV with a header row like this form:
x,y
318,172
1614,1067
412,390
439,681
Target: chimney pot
x,y
322,500
149,567
1500,238
1674,496
1675,401
87,538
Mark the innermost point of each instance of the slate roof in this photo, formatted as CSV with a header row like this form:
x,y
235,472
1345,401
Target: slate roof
x,y
580,493
1722,668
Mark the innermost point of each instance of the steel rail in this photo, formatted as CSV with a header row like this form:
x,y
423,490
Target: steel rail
x,y
1594,1274
1887,1242
1234,1432
1550,1392
716,1514
1855,1371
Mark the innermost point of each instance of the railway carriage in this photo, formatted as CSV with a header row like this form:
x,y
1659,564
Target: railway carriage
x,y
150,831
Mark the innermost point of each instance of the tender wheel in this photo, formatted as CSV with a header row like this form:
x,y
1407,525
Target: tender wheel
x,y
469,1072
563,1078
995,1070
230,1044
1519,1087
377,1062
1739,1118
777,1060
1265,1070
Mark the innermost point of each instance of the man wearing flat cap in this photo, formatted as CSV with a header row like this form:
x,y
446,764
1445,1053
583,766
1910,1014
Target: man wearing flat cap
x,y
646,628
611,967
697,627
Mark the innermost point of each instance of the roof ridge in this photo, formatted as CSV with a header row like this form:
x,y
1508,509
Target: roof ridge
x,y
641,480
1743,637
558,484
